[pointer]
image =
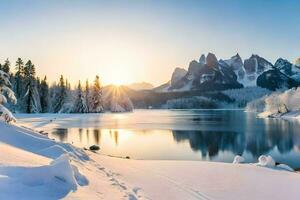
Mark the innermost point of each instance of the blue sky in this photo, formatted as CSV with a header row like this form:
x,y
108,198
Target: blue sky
x,y
128,41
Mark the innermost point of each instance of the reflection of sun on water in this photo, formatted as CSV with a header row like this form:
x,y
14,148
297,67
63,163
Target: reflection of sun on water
x,y
117,136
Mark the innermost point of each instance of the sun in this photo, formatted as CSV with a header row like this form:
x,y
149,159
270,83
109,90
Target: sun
x,y
119,76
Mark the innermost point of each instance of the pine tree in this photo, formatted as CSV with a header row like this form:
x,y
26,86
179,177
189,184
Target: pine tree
x,y
31,98
96,97
60,95
6,66
79,104
44,95
4,89
19,76
87,95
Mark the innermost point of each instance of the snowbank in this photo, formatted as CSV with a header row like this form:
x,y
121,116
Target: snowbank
x,y
37,143
238,159
52,181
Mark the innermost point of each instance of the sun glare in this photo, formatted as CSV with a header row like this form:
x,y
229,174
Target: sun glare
x,y
119,76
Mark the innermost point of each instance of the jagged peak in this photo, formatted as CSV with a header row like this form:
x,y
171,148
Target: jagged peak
x,y
202,59
236,56
211,60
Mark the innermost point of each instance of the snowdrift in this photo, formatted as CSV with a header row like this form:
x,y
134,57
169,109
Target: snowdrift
x,y
37,143
56,179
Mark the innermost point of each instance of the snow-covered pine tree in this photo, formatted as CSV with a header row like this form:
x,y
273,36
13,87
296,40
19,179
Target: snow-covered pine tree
x,y
44,95
31,98
79,104
96,97
59,96
87,95
53,94
6,66
5,91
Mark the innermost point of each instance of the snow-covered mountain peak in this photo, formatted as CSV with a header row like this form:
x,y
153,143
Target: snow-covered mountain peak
x,y
284,66
177,75
235,62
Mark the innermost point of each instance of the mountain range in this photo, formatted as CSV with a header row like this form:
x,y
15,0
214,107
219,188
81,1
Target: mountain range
x,y
211,74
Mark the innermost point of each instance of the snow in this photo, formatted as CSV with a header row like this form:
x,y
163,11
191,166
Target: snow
x,y
266,161
35,167
284,104
238,159
285,167
4,90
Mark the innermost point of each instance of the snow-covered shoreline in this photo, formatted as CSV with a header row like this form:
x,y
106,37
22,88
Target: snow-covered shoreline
x,y
281,105
35,167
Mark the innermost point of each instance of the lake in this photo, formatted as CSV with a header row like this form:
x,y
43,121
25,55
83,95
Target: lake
x,y
210,135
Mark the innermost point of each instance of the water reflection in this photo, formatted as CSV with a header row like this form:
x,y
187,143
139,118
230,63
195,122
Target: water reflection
x,y
209,143
199,135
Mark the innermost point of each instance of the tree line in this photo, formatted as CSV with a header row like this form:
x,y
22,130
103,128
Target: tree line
x,y
35,95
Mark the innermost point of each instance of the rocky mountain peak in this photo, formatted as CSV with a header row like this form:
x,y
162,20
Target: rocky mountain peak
x,y
178,74
235,62
283,64
212,61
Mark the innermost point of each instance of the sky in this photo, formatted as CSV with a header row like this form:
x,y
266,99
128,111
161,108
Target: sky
x,y
138,40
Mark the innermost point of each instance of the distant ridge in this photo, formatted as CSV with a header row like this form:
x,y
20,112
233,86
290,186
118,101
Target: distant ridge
x,y
141,86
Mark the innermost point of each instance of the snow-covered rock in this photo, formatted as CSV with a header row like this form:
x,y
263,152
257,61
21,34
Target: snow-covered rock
x,y
238,159
266,161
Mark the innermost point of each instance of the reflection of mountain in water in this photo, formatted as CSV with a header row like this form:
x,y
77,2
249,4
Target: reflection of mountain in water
x,y
212,142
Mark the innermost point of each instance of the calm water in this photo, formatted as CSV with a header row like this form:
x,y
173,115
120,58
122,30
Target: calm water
x,y
216,135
